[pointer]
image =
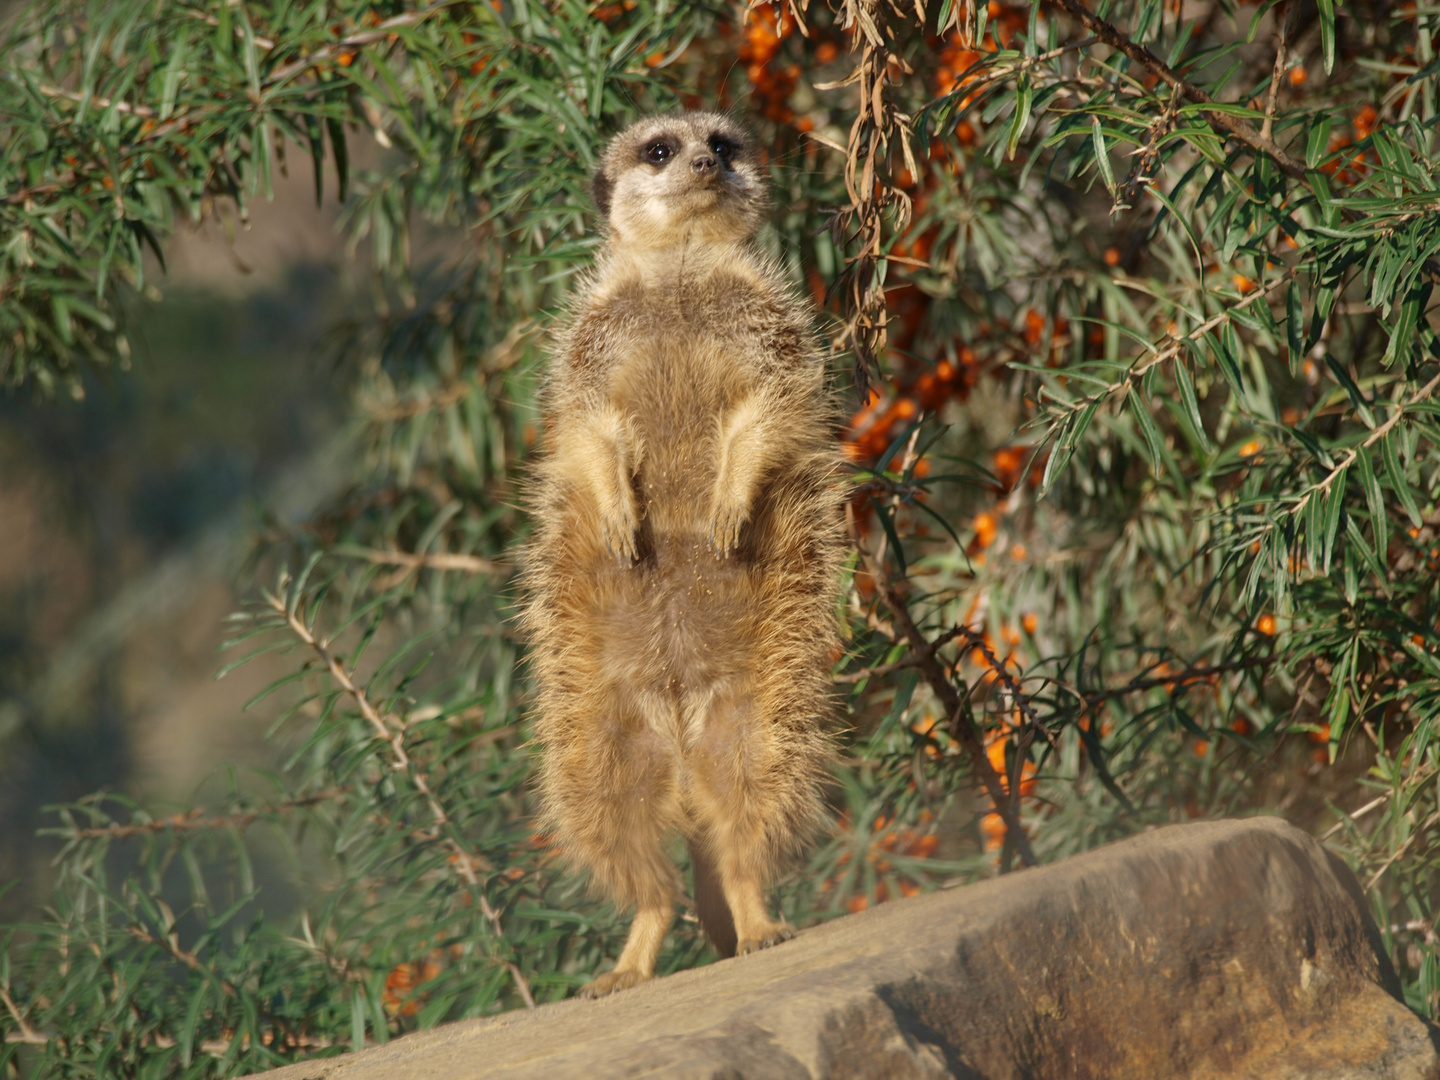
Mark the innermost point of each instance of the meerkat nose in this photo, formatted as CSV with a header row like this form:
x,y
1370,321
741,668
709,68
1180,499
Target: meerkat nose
x,y
702,164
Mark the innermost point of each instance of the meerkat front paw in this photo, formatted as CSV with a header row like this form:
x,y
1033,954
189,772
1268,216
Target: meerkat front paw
x,y
773,934
726,521
619,527
612,981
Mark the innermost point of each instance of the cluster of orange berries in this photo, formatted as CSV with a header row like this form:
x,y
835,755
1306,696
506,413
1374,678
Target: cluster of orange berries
x,y
916,843
883,418
1362,125
402,995
774,80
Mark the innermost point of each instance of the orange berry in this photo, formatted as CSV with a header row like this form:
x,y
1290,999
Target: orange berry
x,y
1298,76
1030,622
984,525
826,51
1201,748
1241,726
858,903
1320,735
1243,283
1018,553
1112,256
1266,625
1251,448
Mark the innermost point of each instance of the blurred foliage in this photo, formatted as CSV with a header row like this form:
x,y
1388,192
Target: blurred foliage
x,y
1144,505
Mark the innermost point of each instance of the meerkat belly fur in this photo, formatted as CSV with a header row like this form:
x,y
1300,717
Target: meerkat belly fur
x,y
680,583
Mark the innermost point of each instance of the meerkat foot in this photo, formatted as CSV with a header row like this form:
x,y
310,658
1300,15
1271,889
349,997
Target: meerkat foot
x,y
764,938
611,981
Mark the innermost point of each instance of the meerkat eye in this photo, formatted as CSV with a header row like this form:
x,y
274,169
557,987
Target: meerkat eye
x,y
659,152
722,148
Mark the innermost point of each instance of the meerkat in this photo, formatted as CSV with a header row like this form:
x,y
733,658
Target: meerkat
x,y
681,577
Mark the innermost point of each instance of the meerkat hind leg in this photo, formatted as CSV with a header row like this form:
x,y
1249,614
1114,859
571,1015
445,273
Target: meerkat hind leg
x,y
754,929
637,960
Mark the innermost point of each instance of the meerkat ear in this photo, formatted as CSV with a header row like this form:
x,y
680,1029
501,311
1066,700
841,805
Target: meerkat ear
x,y
600,191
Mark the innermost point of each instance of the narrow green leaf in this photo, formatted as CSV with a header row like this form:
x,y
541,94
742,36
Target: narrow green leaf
x,y
1102,156
1374,499
1391,453
1327,33
1357,399
1140,409
1192,404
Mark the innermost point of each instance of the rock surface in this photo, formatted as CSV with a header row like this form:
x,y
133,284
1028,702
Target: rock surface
x,y
1220,949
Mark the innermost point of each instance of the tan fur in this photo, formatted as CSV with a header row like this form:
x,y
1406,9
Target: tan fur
x,y
680,582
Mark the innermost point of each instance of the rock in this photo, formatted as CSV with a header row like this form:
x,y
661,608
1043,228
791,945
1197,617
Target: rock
x,y
1218,949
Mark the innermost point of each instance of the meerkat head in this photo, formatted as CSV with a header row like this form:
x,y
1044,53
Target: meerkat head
x,y
671,179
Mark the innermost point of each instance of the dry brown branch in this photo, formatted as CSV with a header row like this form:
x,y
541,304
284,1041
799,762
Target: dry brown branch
x,y
463,859
961,722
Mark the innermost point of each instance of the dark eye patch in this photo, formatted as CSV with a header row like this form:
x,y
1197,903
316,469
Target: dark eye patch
x,y
723,148
658,151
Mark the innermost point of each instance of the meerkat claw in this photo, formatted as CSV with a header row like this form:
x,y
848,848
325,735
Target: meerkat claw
x,y
610,982
771,937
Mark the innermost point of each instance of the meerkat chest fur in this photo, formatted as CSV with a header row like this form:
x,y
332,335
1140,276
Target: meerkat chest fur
x,y
695,358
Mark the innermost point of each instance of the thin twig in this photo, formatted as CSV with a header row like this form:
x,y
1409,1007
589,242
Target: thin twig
x,y
1322,486
196,819
189,959
28,1034
899,665
1351,818
436,560
1169,349
1176,681
1278,73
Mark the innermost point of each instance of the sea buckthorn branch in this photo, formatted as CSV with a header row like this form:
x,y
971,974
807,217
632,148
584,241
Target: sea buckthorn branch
x,y
433,560
1230,125
1321,487
1161,353
957,708
899,665
27,1034
1002,672
1180,680
464,860
196,820
172,945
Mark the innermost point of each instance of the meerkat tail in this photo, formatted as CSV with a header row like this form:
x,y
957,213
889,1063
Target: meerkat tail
x,y
710,904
